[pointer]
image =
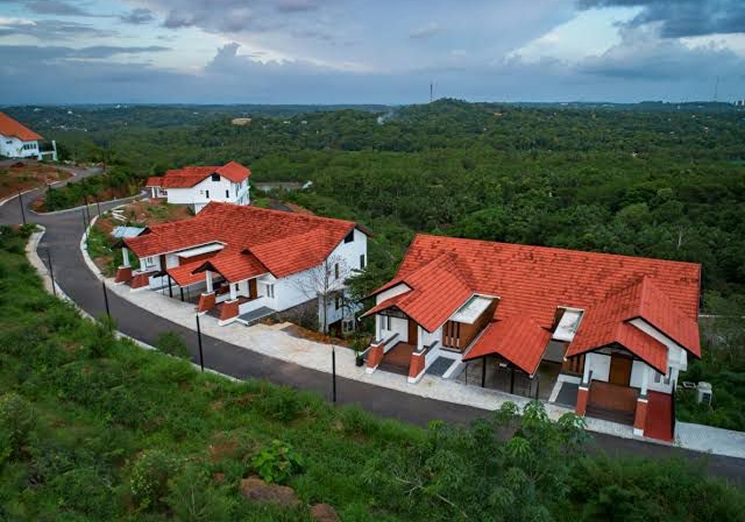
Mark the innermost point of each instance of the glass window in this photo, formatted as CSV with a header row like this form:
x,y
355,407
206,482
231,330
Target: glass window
x,y
215,177
227,193
362,260
349,237
336,271
207,194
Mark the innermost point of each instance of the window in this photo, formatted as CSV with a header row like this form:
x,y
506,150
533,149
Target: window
x,y
347,326
387,322
657,377
149,261
270,291
236,189
227,193
215,177
337,303
336,271
349,237
207,194
362,260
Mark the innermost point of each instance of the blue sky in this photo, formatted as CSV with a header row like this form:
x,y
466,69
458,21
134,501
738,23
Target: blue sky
x,y
354,51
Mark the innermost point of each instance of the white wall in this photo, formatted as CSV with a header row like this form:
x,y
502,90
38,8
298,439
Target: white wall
x,y
398,326
12,147
197,195
391,292
599,365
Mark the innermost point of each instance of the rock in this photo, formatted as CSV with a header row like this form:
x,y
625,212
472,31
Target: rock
x,y
324,513
258,491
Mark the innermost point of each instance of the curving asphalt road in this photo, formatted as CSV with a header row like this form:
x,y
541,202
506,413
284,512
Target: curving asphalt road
x,y
62,239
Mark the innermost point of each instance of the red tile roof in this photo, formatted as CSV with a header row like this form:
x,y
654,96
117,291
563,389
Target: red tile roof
x,y
438,290
284,242
189,176
520,340
184,274
233,266
532,282
10,127
606,323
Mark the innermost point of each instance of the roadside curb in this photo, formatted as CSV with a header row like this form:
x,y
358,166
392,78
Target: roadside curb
x,y
80,207
33,256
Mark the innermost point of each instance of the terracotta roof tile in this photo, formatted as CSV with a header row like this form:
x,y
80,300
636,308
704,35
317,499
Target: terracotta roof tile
x,y
520,340
532,282
190,176
183,274
154,181
10,127
284,242
233,266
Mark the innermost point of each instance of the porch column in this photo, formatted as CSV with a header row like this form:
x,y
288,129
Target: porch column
x,y
583,393
420,338
640,416
124,272
378,327
208,279
233,293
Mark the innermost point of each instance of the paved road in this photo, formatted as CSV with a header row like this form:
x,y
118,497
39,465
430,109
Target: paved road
x,y
62,239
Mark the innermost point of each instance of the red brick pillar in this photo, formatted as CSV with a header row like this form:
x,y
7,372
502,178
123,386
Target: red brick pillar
x,y
416,367
583,395
140,280
640,419
123,275
374,357
228,311
206,302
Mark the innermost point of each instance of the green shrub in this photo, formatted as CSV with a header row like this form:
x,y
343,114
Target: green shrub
x,y
150,474
277,462
191,498
173,344
17,419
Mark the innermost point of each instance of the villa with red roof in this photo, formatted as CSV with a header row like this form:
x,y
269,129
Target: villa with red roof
x,y
18,141
197,186
620,328
243,263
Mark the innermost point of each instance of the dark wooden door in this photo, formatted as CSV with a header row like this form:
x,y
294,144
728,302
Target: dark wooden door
x,y
252,292
620,369
413,333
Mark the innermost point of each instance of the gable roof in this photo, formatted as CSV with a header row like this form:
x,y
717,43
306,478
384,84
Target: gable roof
x,y
533,281
187,177
520,340
282,242
10,127
233,266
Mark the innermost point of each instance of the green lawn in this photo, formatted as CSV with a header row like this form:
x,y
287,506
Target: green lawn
x,y
94,428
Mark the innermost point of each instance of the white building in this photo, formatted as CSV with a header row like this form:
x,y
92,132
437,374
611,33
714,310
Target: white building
x,y
18,141
198,186
245,263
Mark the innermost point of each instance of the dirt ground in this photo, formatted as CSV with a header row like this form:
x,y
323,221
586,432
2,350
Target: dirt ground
x,y
145,213
28,175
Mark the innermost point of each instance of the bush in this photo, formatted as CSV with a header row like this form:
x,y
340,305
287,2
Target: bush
x,y
192,499
173,344
277,463
17,420
150,474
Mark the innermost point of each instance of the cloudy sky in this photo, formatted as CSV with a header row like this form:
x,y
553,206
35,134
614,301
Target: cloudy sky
x,y
374,51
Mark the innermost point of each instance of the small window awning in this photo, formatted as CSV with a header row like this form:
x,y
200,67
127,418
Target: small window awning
x,y
198,251
568,325
122,231
471,310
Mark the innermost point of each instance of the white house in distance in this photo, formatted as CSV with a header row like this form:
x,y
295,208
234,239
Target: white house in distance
x,y
197,186
620,328
18,141
245,263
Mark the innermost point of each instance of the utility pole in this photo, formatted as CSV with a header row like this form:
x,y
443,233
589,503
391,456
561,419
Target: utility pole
x,y
431,90
333,372
51,272
106,301
199,338
23,212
